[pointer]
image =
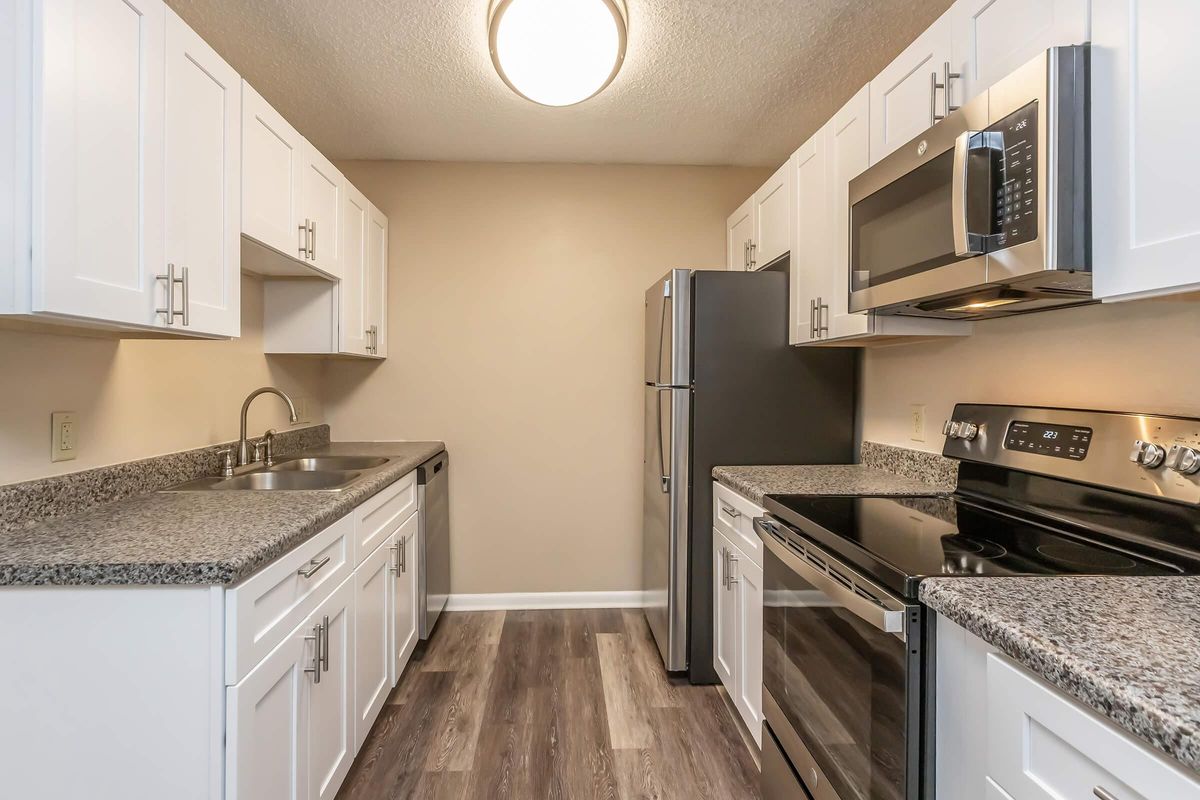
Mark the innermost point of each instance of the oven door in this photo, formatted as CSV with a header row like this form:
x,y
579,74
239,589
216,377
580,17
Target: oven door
x,y
902,211
841,673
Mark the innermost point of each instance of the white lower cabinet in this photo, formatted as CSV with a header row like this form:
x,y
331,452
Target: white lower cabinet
x,y
1003,733
331,735
737,610
373,583
404,596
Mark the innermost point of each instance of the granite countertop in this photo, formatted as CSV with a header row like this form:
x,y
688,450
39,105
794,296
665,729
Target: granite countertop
x,y
191,538
1126,647
831,479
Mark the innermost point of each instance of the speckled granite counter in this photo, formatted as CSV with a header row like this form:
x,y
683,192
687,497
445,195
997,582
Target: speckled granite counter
x,y
1126,647
756,482
192,538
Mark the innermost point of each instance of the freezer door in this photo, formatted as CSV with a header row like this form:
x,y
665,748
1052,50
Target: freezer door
x,y
667,330
665,521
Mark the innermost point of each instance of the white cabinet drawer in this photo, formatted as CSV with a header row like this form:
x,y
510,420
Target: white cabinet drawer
x,y
1042,745
733,515
269,604
380,517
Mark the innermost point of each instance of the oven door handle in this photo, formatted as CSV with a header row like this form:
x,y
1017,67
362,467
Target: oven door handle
x,y
886,619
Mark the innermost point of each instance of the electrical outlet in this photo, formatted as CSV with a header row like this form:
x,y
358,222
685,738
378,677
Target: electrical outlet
x,y
64,428
917,434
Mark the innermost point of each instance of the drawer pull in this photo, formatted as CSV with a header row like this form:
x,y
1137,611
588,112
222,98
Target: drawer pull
x,y
731,511
1103,794
313,567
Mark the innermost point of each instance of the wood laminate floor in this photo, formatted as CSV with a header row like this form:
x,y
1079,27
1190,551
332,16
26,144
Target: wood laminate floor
x,y
549,704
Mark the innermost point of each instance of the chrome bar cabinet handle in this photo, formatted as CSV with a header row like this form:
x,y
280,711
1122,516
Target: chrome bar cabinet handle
x,y
395,565
753,247
731,511
404,554
822,318
312,240
733,578
170,311
724,568
304,249
186,301
313,567
948,76
1103,794
315,669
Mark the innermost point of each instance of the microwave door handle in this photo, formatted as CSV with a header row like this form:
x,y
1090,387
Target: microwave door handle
x,y
965,242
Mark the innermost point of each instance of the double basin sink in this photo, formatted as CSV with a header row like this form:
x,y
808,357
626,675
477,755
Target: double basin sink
x,y
299,473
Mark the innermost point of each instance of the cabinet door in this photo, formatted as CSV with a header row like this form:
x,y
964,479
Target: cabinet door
x,y
266,739
725,618
404,597
904,100
377,280
1146,231
739,233
372,637
994,37
321,189
331,702
772,219
203,217
352,289
747,578
849,150
272,162
811,268
98,164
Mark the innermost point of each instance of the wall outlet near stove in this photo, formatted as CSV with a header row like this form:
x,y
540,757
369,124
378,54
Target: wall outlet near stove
x,y
917,432
64,428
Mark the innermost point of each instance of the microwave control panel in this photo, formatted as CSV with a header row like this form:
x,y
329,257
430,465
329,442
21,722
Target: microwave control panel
x,y
1015,189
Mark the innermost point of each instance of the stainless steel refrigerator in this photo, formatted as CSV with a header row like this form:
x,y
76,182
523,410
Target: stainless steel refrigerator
x,y
722,387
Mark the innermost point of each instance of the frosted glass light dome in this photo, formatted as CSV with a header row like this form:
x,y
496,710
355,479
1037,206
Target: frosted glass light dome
x,y
557,52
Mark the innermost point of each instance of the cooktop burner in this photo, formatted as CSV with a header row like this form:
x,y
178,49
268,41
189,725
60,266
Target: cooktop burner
x,y
901,540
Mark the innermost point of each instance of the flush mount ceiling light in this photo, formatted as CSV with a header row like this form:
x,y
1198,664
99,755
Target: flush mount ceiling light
x,y
557,52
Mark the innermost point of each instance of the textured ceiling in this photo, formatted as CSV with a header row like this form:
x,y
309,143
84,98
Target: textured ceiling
x,y
704,81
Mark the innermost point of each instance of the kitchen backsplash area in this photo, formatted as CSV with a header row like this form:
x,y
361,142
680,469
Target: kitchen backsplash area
x,y
1120,356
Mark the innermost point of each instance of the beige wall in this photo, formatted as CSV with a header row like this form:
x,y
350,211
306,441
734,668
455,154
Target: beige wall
x,y
139,397
1136,356
515,334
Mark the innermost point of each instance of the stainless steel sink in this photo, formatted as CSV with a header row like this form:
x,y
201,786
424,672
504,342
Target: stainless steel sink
x,y
276,481
322,463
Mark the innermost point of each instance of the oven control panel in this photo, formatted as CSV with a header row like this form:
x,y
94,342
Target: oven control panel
x,y
1148,454
1015,188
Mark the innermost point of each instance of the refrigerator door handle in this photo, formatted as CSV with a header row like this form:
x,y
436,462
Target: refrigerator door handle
x,y
664,476
662,331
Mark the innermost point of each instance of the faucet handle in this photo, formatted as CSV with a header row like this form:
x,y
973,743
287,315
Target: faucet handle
x,y
268,446
225,459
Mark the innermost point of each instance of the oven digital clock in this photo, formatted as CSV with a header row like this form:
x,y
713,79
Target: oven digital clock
x,y
1044,439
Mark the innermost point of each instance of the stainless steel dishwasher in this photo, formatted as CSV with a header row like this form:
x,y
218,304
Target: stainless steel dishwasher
x,y
433,494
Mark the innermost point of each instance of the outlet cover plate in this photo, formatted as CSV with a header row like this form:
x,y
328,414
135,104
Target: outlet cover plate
x,y
64,433
917,433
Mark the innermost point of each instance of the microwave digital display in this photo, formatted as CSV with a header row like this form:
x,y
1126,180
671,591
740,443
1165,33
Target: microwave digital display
x,y
1044,439
1015,195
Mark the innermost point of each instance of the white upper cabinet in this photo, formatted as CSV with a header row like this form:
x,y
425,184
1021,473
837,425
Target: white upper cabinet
x,y
352,290
377,275
321,190
849,154
202,228
994,37
1144,159
906,97
739,233
772,219
812,272
98,159
273,166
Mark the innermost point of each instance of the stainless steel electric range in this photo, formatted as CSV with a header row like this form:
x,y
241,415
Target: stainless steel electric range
x,y
847,646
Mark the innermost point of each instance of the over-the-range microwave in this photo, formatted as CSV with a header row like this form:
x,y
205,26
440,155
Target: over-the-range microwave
x,y
987,213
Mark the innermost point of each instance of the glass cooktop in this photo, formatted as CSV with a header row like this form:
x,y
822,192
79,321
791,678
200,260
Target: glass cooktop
x,y
901,540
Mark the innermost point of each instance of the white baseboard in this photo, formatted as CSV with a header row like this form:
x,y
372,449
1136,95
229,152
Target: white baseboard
x,y
530,600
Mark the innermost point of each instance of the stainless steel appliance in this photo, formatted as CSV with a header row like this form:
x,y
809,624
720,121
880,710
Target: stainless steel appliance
x,y
433,498
847,647
722,386
986,213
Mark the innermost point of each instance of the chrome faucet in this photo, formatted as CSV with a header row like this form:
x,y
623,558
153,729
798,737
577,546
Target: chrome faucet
x,y
243,452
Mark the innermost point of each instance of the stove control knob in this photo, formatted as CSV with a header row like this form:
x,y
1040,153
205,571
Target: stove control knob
x,y
1148,454
954,430
968,431
1183,460
946,426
